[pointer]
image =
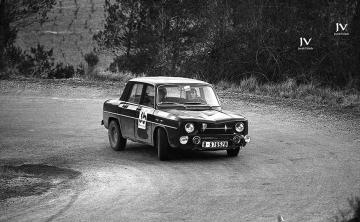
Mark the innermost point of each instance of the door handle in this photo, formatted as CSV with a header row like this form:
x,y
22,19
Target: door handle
x,y
123,105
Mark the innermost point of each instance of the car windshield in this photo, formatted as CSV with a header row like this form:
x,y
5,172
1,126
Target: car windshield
x,y
186,95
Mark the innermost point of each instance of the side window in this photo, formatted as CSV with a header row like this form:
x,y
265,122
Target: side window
x,y
135,93
125,94
149,96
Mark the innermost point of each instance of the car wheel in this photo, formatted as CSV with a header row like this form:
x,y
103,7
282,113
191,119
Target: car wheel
x,y
162,144
117,142
233,152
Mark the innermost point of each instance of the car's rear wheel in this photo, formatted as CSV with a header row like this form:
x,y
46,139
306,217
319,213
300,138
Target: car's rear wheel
x,y
117,142
162,144
233,152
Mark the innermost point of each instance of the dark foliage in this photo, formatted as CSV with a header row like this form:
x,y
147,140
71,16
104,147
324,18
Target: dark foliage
x,y
13,56
231,39
15,14
352,215
138,63
355,205
61,71
38,63
80,70
92,59
157,33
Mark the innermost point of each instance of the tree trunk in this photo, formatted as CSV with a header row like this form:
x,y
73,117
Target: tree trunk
x,y
5,33
174,58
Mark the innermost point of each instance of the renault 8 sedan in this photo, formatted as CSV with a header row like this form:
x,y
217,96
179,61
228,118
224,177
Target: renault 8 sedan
x,y
173,113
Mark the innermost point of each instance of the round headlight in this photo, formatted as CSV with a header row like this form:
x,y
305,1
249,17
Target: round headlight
x,y
189,127
239,127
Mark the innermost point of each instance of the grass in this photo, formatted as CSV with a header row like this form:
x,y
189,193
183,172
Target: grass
x,y
104,75
289,89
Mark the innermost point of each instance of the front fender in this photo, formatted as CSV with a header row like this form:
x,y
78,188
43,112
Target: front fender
x,y
171,134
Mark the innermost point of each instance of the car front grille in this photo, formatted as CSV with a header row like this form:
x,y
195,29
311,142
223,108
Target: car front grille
x,y
218,128
217,137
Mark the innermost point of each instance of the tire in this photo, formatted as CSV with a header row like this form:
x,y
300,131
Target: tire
x,y
162,144
233,152
117,142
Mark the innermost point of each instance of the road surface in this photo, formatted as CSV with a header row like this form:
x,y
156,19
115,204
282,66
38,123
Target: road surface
x,y
300,165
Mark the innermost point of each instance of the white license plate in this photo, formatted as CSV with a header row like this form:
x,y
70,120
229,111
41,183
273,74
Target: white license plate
x,y
214,144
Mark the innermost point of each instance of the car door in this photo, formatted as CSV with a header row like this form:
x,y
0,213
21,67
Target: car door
x,y
128,110
145,111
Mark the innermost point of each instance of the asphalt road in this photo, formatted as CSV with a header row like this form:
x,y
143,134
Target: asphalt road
x,y
301,165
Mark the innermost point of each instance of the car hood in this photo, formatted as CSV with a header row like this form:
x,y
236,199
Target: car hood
x,y
205,115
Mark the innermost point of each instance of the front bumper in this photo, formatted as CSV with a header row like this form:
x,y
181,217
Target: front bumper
x,y
190,145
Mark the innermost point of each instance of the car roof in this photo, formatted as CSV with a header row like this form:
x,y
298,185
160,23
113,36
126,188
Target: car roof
x,y
159,80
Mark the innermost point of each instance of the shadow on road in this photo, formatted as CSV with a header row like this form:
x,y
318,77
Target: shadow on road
x,y
135,151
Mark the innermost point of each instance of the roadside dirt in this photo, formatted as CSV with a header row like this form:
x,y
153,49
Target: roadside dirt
x,y
31,179
303,162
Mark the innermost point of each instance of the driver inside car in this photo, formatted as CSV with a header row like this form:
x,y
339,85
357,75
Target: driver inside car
x,y
162,95
193,96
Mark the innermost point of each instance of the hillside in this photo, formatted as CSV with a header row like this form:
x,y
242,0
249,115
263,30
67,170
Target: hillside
x,y
69,30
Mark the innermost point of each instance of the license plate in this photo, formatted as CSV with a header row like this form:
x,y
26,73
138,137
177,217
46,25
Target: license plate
x,y
214,144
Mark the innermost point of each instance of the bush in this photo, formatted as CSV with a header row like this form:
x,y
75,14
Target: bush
x,y
251,84
39,63
80,70
91,59
107,75
62,71
14,56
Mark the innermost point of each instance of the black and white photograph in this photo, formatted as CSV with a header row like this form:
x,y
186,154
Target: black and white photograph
x,y
180,110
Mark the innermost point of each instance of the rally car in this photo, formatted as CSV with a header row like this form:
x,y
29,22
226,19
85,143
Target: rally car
x,y
170,113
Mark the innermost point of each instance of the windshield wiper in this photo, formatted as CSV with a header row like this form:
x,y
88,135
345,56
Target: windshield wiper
x,y
203,106
170,103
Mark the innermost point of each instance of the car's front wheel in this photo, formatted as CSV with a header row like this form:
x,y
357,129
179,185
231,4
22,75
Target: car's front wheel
x,y
162,144
233,152
117,142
